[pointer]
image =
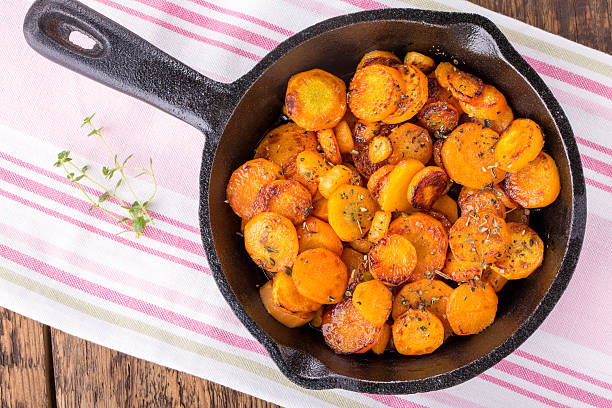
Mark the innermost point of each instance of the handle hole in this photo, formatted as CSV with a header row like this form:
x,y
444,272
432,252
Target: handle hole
x,y
82,40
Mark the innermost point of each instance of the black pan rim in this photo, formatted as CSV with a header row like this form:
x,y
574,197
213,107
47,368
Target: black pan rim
x,y
570,256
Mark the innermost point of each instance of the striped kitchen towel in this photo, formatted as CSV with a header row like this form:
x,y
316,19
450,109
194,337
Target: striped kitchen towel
x,y
155,298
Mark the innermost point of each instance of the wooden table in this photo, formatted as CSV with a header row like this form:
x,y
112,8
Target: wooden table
x,y
41,366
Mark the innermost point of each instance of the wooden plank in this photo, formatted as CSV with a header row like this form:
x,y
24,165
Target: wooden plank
x,y
88,375
24,374
588,22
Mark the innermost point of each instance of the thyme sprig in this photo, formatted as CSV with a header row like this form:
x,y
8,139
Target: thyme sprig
x,y
137,217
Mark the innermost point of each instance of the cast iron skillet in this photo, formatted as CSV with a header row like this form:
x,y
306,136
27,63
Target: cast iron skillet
x,y
233,117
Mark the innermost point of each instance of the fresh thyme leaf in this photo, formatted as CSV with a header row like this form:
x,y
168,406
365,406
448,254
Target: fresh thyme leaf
x,y
139,224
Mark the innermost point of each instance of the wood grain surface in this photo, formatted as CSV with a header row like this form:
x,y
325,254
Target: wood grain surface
x,y
42,367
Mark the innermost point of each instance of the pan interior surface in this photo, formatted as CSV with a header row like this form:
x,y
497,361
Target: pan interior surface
x,y
338,51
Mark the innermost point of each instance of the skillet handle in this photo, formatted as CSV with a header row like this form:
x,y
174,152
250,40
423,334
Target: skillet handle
x,y
122,60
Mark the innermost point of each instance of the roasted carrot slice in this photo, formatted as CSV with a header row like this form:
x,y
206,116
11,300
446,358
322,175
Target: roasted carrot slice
x,y
465,86
281,145
346,331
380,225
414,96
393,194
417,332
378,57
410,141
319,207
485,200
380,149
361,274
497,189
374,92
447,206
443,71
285,197
320,275
429,294
428,185
489,105
468,157
331,150
373,301
361,245
366,131
350,212
518,145
440,117
344,137
437,153
310,167
524,254
437,93
440,217
428,237
461,271
286,296
494,279
336,177
423,62
361,159
315,99
271,240
282,315
377,179
481,238
471,308
315,233
500,124
383,340
352,259
392,259
535,185
245,182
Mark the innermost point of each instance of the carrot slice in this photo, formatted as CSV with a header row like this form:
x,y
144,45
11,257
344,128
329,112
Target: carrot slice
x,y
481,238
465,86
428,237
285,197
361,274
414,96
361,245
410,141
282,315
331,150
282,144
315,233
437,153
471,308
442,73
380,149
377,180
319,207
461,271
310,167
320,275
535,185
374,92
428,185
350,212
378,57
383,340
524,254
286,296
447,206
245,182
438,93
498,190
429,294
440,117
393,194
271,241
468,157
485,200
336,177
440,217
500,124
518,145
417,332
346,331
423,62
380,225
361,159
392,259
352,259
494,279
489,105
344,137
373,301
315,99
